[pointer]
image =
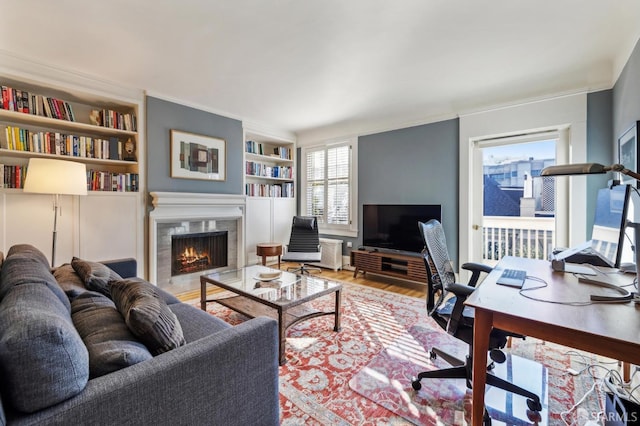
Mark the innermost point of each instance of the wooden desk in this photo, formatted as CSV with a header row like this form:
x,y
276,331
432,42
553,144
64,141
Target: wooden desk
x,y
611,330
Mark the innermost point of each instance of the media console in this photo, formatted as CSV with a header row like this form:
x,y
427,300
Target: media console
x,y
407,267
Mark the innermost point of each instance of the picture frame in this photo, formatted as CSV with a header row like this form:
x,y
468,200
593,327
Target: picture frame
x,y
195,156
628,152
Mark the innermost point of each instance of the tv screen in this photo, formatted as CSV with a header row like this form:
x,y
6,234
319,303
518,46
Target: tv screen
x,y
395,226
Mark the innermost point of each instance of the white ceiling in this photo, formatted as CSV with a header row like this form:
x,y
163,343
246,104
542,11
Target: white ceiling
x,y
332,67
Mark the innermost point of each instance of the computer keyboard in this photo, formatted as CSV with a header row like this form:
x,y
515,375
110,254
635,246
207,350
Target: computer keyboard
x,y
512,278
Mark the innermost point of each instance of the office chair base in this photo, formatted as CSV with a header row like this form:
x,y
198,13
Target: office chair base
x,y
304,269
450,359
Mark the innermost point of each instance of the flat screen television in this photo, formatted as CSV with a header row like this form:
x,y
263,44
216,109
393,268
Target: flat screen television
x,y
394,227
607,235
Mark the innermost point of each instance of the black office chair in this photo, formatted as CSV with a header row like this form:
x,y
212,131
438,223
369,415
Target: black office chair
x,y
445,304
304,244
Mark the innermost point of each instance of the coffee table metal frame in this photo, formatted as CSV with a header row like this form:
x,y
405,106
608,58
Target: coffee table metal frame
x,y
289,308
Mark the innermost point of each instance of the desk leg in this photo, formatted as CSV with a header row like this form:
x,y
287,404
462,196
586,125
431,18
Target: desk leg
x,y
481,329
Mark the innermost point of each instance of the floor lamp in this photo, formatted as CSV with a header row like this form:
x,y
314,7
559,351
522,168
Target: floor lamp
x,y
595,168
57,177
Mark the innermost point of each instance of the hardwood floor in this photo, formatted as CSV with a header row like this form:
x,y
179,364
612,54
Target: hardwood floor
x,y
377,281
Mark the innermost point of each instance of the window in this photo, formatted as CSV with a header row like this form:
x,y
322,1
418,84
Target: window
x,y
329,187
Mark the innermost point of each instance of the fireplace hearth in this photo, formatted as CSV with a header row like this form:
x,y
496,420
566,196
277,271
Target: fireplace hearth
x,y
198,252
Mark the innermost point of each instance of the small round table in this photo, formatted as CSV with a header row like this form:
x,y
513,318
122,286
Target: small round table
x,y
269,249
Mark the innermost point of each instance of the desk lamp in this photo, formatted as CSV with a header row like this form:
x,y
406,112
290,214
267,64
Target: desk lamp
x,y
57,177
595,168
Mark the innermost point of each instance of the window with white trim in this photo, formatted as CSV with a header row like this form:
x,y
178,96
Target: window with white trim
x,y
329,187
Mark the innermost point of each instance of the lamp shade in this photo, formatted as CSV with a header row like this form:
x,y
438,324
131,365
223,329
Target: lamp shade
x,y
47,176
574,169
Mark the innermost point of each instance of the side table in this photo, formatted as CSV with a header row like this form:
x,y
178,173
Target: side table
x,y
269,249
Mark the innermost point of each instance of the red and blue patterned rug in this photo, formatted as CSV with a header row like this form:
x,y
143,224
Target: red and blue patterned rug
x,y
324,367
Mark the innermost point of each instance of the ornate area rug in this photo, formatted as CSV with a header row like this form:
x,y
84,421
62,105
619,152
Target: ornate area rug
x,y
315,383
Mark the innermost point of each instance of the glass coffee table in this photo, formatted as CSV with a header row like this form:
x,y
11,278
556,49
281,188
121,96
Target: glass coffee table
x,y
284,299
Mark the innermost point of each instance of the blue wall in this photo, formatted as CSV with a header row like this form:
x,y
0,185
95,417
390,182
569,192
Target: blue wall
x,y
415,165
599,130
162,116
626,96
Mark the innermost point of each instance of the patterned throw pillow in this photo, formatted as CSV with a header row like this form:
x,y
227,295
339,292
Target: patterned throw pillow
x,y
147,315
95,276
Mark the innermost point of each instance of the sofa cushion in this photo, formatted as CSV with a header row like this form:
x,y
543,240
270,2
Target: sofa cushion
x,y
147,315
197,323
69,281
31,251
110,344
27,265
42,358
96,276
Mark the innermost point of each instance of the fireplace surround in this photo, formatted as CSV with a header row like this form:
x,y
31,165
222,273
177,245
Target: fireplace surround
x,y
176,215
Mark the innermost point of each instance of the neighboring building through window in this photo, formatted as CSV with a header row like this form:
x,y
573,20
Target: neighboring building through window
x,y
329,186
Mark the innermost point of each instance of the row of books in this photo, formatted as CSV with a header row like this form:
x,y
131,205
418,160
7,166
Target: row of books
x,y
281,152
13,176
112,182
115,120
30,103
97,180
284,190
19,139
258,169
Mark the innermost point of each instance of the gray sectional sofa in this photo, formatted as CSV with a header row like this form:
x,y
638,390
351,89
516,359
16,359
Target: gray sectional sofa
x,y
65,358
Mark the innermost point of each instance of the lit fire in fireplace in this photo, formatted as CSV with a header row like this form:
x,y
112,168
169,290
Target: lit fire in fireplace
x,y
198,252
191,259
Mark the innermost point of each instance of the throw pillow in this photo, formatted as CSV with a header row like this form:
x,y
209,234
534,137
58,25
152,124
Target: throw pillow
x,y
69,281
43,360
110,344
147,315
96,276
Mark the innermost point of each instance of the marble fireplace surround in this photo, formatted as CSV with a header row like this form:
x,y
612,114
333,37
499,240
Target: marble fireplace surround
x,y
188,212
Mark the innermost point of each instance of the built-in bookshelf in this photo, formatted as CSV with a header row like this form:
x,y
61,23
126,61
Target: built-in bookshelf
x,y
269,167
37,120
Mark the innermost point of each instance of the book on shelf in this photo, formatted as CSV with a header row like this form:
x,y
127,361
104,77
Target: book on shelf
x,y
20,139
12,175
105,181
283,190
23,101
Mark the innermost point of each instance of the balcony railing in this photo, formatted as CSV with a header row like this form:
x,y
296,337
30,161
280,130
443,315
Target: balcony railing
x,y
530,237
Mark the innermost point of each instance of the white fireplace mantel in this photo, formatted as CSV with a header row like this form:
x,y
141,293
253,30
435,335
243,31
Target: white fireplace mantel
x,y
183,206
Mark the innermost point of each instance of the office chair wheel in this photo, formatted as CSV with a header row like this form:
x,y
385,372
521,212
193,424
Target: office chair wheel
x,y
416,385
497,355
534,405
534,416
433,354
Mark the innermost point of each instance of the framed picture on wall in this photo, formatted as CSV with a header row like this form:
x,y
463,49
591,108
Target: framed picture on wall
x,y
628,152
198,156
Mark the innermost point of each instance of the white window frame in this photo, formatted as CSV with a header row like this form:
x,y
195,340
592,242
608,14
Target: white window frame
x,y
350,230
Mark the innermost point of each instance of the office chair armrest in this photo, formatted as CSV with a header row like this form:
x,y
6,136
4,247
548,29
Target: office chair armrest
x,y
476,269
462,292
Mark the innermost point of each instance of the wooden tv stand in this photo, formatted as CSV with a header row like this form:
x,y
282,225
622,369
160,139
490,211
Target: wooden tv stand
x,y
389,264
